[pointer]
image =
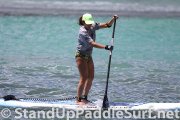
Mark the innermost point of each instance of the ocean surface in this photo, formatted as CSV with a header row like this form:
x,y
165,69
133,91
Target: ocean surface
x,y
37,55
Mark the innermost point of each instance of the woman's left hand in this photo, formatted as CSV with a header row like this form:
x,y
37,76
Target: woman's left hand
x,y
115,17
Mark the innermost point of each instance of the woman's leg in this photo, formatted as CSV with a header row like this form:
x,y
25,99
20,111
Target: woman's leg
x,y
83,71
88,83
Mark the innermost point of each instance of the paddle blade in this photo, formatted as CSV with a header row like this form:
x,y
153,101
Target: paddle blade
x,y
105,102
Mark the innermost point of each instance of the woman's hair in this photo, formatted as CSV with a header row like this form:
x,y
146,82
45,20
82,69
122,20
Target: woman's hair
x,y
81,22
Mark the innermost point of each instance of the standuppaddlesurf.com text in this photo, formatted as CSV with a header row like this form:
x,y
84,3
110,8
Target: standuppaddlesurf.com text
x,y
59,113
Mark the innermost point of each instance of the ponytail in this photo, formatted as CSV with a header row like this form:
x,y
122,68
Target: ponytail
x,y
81,22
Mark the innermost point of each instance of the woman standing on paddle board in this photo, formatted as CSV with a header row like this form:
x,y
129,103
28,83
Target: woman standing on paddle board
x,y
86,42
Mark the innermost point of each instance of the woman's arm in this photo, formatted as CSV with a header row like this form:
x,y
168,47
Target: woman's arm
x,y
97,45
109,23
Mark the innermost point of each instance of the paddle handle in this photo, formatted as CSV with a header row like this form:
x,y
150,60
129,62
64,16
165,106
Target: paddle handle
x,y
114,27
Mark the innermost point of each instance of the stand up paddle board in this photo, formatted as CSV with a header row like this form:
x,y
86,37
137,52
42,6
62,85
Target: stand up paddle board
x,y
70,103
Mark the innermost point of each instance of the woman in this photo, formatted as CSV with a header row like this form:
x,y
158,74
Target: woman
x,y
86,42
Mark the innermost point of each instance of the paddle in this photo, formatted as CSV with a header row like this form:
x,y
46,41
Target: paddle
x,y
105,104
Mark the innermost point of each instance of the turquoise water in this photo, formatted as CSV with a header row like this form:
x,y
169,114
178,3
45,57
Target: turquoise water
x,y
37,58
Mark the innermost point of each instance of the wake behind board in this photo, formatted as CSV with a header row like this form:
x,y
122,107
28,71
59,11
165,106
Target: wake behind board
x,y
96,105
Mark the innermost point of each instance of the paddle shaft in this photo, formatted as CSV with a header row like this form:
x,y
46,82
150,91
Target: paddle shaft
x,y
105,100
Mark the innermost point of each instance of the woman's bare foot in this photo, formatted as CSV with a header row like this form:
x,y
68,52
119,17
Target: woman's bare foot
x,y
82,102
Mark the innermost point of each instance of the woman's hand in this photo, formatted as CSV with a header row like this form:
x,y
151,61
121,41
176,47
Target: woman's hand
x,y
115,17
109,23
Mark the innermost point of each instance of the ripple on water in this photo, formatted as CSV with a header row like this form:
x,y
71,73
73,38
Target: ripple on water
x,y
41,91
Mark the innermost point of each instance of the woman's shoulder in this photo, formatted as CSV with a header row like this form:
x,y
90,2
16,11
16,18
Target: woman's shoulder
x,y
82,30
95,26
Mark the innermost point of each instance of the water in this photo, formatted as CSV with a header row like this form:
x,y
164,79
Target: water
x,y
37,53
37,57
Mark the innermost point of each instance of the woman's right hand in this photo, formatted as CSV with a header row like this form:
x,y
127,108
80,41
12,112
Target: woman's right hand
x,y
109,47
